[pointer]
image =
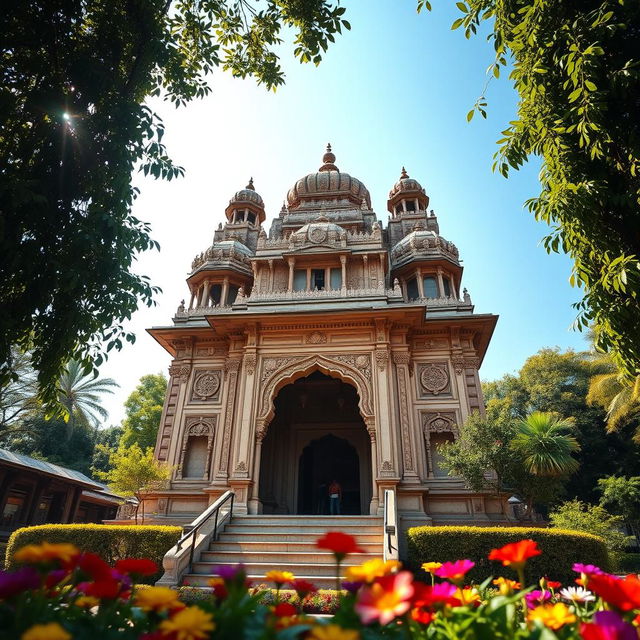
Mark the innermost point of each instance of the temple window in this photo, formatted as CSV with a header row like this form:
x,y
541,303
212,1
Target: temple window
x,y
251,217
215,294
195,458
317,279
232,294
412,289
430,287
447,287
437,459
398,208
411,205
336,278
300,280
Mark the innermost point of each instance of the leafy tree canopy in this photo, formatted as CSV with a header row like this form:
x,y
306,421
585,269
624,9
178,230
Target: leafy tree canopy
x,y
74,77
621,496
144,409
107,441
576,68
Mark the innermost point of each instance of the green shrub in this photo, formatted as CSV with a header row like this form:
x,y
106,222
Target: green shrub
x,y
560,550
110,542
626,562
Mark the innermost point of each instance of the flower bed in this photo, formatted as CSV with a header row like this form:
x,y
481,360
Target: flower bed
x,y
61,593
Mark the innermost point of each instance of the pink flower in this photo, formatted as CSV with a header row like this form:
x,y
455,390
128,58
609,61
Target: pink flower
x,y
536,598
455,571
608,625
386,599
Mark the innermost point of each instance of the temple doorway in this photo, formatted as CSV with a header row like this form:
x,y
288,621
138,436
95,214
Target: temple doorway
x,y
317,435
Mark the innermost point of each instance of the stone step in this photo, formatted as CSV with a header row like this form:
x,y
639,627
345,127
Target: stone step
x,y
241,545
230,535
202,580
275,558
334,522
352,529
299,570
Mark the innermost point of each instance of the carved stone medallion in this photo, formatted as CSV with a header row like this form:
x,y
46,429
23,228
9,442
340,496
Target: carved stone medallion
x,y
434,378
206,385
317,234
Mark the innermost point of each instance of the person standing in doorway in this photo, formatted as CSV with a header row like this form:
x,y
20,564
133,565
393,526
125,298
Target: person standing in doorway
x,y
335,498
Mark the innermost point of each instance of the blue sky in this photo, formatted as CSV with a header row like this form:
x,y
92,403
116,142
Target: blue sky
x,y
393,91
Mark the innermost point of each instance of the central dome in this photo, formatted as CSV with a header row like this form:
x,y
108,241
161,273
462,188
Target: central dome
x,y
328,183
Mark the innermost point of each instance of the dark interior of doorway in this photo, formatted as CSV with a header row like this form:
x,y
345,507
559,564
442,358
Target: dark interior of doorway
x,y
322,461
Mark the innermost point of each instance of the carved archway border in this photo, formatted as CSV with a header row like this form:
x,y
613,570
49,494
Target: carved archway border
x,y
302,368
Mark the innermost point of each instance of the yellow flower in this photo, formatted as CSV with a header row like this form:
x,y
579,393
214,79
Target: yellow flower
x,y
468,595
553,616
332,632
506,586
371,569
431,567
279,577
191,623
87,602
156,599
49,631
46,552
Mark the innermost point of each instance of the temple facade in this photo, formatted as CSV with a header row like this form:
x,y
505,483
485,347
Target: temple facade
x,y
332,349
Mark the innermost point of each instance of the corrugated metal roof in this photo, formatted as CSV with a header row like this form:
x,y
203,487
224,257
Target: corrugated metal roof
x,y
107,497
20,460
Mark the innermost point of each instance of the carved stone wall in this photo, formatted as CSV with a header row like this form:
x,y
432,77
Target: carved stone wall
x,y
206,385
433,379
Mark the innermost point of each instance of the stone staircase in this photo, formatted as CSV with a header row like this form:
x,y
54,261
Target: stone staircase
x,y
287,543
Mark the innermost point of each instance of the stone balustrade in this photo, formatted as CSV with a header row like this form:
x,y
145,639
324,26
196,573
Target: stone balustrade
x,y
273,296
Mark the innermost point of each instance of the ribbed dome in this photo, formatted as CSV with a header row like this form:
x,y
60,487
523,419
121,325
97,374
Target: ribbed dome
x,y
328,183
248,194
319,231
405,183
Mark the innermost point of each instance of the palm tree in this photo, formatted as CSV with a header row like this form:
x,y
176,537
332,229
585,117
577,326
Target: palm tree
x,y
545,444
80,395
615,393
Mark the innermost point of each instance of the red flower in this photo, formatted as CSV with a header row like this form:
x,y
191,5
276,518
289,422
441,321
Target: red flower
x,y
553,585
621,593
93,565
303,587
340,543
108,589
139,566
284,610
422,616
516,554
436,596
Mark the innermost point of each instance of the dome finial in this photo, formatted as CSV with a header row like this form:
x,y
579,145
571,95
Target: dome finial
x,y
250,185
404,173
328,160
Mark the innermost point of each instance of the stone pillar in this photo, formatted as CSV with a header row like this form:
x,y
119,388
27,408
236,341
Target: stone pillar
x,y
308,279
204,302
292,262
232,366
327,278
370,421
270,275
225,292
381,279
365,269
193,299
254,503
401,364
420,283
343,264
440,283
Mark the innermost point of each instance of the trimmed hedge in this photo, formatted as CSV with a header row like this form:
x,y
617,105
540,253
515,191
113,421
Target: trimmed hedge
x,y
560,550
110,542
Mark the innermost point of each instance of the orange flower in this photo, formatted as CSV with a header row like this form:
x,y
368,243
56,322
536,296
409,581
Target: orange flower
x,y
385,599
279,577
157,599
515,554
506,586
191,623
371,569
87,602
553,616
422,616
468,595
46,552
49,631
431,567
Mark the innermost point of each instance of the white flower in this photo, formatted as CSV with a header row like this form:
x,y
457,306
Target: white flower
x,y
577,594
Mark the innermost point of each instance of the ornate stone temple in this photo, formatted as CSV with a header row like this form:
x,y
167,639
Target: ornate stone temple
x,y
332,348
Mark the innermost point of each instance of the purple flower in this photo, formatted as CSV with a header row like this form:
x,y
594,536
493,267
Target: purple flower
x,y
536,598
13,583
230,571
588,569
351,587
608,625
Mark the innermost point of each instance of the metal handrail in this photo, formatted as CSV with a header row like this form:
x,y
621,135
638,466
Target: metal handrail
x,y
389,522
211,510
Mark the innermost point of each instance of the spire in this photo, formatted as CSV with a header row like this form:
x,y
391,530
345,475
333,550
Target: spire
x,y
404,174
250,185
328,159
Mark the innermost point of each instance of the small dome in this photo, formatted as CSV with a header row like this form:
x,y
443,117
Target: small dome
x,y
328,183
248,194
405,183
319,231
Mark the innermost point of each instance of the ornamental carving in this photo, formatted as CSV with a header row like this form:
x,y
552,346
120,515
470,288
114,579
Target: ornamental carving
x,y
206,385
386,469
180,371
461,363
194,427
434,378
250,360
317,235
401,358
439,422
382,358
317,337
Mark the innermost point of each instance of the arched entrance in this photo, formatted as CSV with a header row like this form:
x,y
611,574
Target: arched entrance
x,y
317,435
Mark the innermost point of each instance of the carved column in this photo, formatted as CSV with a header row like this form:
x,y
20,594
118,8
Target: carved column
x,y
365,269
401,363
371,430
381,279
225,292
271,275
232,365
343,264
420,283
204,301
440,283
193,298
291,262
